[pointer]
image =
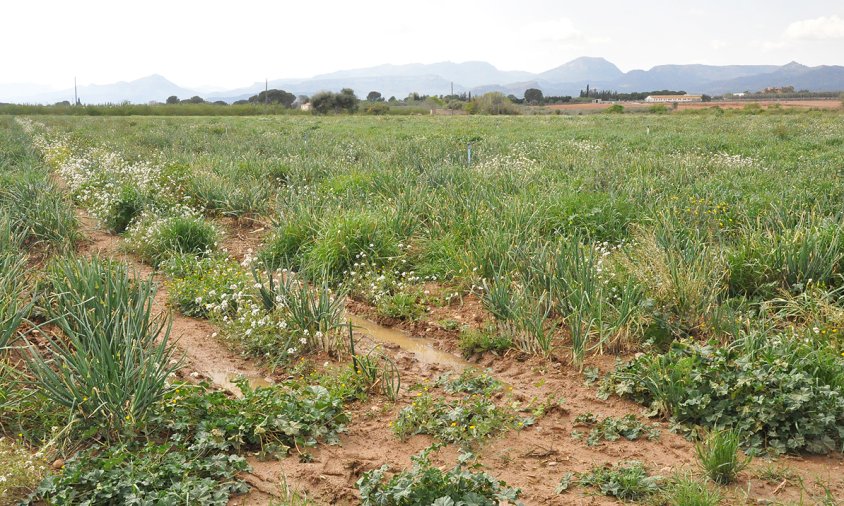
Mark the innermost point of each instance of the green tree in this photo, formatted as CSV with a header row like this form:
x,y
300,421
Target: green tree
x,y
273,97
533,96
173,99
374,96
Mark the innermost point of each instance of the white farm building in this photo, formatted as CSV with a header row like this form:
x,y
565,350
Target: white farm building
x,y
674,98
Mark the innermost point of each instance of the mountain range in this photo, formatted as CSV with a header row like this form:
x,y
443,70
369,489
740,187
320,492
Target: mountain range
x,y
475,77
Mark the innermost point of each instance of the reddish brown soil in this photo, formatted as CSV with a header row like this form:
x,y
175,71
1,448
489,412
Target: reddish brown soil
x,y
533,459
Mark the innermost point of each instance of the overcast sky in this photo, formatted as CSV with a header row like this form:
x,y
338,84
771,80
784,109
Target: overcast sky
x,y
236,43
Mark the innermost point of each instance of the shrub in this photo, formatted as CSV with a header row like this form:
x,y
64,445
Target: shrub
x,y
719,456
112,363
424,485
614,109
782,392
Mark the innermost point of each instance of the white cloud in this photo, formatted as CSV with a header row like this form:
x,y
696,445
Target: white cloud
x,y
822,28
717,44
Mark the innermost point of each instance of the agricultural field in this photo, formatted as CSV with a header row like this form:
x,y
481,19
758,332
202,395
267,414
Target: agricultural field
x,y
593,309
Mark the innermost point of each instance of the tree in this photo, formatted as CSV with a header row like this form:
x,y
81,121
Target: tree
x,y
194,100
347,100
273,97
491,103
327,101
374,96
173,99
533,96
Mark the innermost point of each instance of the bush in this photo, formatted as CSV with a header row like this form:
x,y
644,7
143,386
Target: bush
x,y
424,485
614,109
784,393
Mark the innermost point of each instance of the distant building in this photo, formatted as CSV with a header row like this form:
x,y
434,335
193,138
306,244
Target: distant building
x,y
739,94
674,98
305,107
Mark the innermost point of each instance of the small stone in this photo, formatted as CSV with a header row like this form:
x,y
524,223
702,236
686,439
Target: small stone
x,y
58,464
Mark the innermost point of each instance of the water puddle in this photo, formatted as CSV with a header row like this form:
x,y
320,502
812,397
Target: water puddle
x,y
226,379
423,349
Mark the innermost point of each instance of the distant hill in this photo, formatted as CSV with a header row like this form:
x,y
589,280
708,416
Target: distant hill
x,y
474,76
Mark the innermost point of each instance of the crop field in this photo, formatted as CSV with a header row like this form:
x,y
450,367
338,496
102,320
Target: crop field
x,y
469,310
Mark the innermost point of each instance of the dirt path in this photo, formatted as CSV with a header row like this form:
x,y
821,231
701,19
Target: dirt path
x,y
533,459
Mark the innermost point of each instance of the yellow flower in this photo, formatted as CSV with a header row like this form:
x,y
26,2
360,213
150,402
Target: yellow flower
x,y
471,427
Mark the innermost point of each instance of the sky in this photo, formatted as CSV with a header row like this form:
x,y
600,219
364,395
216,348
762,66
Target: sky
x,y
228,44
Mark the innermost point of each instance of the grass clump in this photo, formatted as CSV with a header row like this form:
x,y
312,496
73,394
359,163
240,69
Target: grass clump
x,y
719,456
688,491
13,309
401,306
157,239
112,361
425,484
349,238
628,481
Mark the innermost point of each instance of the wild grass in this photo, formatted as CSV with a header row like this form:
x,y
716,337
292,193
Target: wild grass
x,y
719,456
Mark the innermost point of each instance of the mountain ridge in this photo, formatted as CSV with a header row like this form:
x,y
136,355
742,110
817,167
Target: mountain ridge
x,y
472,76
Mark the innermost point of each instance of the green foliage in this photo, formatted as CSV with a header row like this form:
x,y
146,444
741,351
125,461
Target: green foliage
x,y
628,481
112,363
13,309
782,392
144,474
687,491
464,420
329,102
37,212
158,239
199,284
719,456
614,109
481,340
376,369
401,305
425,484
470,381
129,205
349,238
611,429
21,471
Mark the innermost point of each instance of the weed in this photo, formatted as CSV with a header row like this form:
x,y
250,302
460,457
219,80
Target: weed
x,y
611,429
481,340
687,491
719,456
628,481
425,484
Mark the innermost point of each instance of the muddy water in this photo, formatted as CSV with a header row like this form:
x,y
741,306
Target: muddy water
x,y
226,379
423,349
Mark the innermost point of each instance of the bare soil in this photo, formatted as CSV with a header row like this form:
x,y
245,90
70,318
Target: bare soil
x,y
533,459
